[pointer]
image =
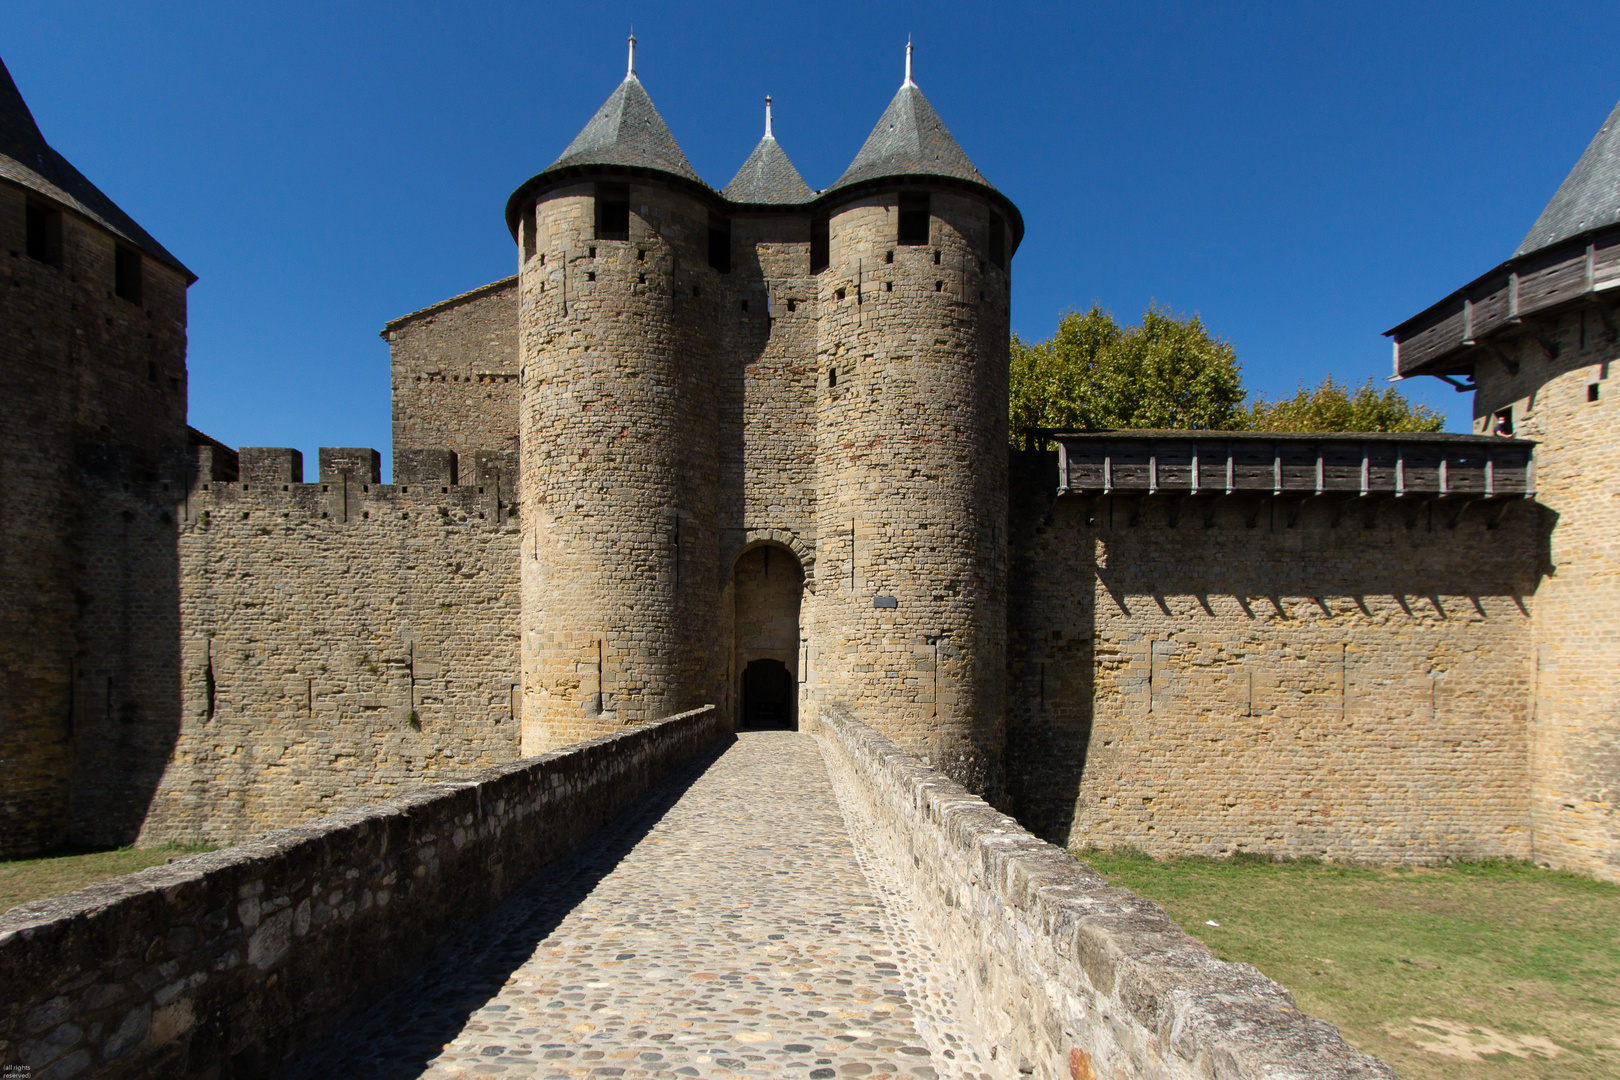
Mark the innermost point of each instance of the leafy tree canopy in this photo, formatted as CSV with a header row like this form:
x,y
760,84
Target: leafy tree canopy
x,y
1170,372
1093,373
1332,406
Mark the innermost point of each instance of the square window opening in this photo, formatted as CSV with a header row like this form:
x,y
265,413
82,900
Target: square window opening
x,y
612,212
913,231
720,243
44,228
832,377
127,274
820,244
1593,391
1503,423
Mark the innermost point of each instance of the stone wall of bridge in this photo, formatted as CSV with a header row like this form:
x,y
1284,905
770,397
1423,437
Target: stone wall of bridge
x,y
228,963
1063,974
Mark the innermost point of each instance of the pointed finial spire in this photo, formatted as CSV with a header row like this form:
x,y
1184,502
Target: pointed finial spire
x,y
908,81
768,134
631,74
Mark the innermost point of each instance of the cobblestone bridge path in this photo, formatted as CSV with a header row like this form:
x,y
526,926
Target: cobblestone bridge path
x,y
729,925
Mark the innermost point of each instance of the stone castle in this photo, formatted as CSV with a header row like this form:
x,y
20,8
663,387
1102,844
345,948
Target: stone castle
x,y
749,447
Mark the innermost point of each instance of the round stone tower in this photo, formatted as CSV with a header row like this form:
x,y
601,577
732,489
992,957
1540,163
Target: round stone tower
x,y
618,493
910,609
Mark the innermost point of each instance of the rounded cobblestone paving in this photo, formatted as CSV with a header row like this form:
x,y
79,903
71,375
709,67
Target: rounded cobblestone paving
x,y
724,927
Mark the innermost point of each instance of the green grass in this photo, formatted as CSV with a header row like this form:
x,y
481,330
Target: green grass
x,y
22,880
1483,970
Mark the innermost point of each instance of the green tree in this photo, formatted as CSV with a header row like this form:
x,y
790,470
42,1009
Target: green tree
x,y
1332,406
1167,372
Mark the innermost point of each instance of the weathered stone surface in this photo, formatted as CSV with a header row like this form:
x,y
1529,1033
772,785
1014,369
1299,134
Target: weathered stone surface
x,y
454,369
1057,970
1305,686
325,915
1569,404
726,926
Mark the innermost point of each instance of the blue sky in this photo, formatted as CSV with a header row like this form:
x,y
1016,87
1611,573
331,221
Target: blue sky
x,y
1303,176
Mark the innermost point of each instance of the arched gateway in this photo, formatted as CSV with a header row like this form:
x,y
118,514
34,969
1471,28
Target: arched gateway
x,y
768,585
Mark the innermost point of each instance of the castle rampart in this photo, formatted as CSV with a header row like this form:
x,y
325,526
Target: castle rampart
x,y
342,639
1325,674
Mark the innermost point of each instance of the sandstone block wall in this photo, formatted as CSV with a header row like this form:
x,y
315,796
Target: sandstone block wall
x,y
1570,404
767,432
769,591
1064,975
227,964
454,372
341,640
620,469
1301,689
907,621
90,379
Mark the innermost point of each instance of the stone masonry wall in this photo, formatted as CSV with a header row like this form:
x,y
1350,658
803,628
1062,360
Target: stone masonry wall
x,y
767,430
1302,689
454,371
620,474
1570,404
226,964
769,590
89,377
341,640
1065,976
907,620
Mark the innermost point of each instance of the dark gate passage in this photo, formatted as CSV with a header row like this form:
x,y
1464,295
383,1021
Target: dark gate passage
x,y
769,586
767,695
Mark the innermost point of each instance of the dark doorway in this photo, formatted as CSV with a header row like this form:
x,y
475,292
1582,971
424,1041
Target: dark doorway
x,y
767,694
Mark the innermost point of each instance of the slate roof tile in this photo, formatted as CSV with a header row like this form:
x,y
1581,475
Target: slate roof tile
x,y
768,177
1589,197
910,140
627,130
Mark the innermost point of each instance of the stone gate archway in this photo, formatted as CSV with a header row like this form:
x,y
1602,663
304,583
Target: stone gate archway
x,y
769,588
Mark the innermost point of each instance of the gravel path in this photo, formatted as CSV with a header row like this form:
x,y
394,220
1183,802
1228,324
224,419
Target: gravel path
x,y
725,927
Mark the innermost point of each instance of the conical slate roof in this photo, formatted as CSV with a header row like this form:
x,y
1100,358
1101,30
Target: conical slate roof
x,y
1589,197
27,159
768,177
627,130
910,140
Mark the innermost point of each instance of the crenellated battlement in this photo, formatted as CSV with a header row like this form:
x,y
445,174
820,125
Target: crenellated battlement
x,y
429,481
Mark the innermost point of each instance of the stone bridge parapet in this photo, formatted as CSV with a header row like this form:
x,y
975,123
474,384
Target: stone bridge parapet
x,y
224,964
1065,975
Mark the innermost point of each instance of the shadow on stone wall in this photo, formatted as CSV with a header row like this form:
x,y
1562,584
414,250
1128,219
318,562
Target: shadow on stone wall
x,y
1142,558
441,999
126,685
